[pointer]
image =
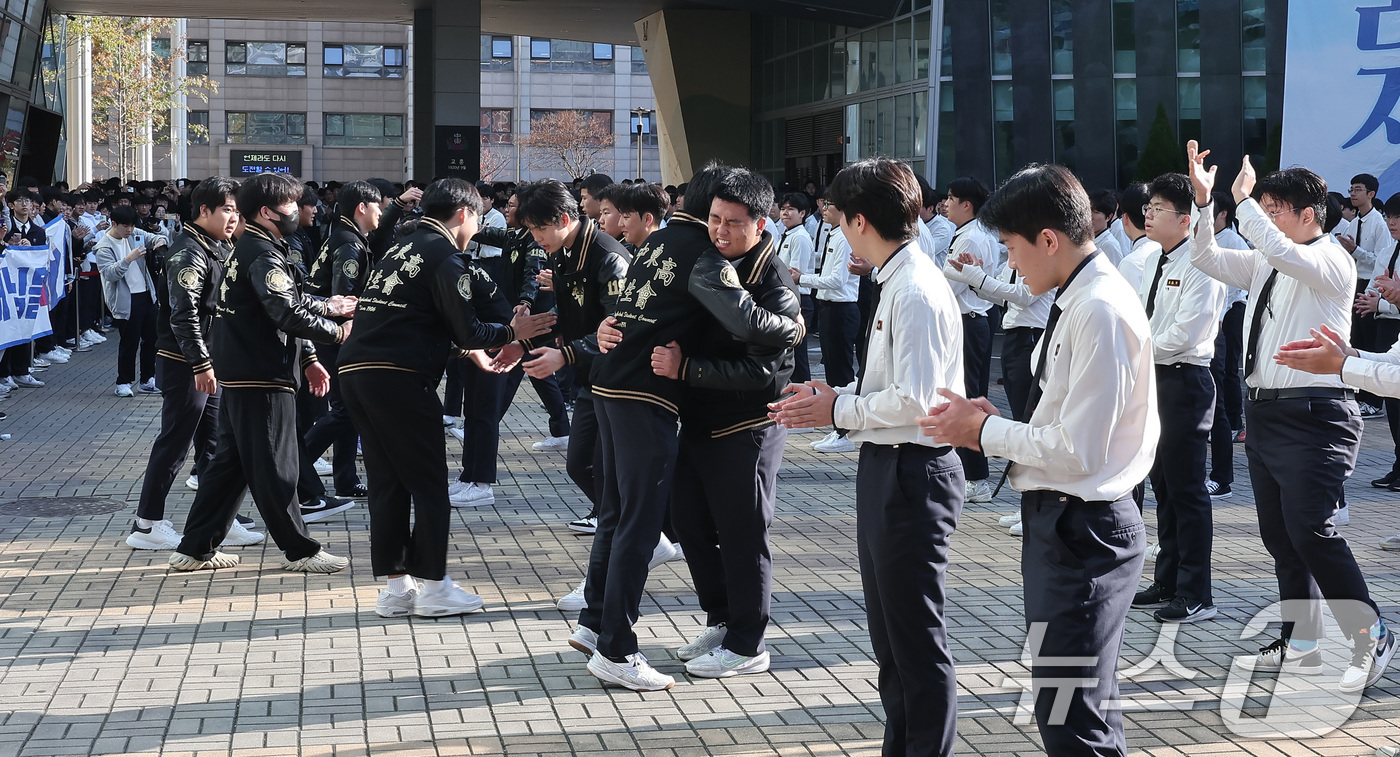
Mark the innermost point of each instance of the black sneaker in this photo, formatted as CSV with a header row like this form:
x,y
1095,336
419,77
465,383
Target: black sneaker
x,y
1152,598
245,521
359,492
585,525
1277,658
1385,481
1218,490
324,507
1182,610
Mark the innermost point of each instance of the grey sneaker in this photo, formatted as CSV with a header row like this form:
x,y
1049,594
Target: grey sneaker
x,y
635,674
1392,542
722,663
708,640
183,562
321,562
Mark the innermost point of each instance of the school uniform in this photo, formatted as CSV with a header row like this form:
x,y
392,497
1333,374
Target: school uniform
x,y
941,230
1372,239
909,495
795,250
1131,266
1387,332
1090,439
837,291
972,237
1183,308
262,342
1025,318
1107,243
484,391
1120,235
419,307
1304,429
1225,369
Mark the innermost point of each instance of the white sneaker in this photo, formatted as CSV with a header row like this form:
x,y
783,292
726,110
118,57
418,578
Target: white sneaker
x,y
1016,529
391,605
240,536
27,381
722,663
1368,663
447,598
192,483
124,390
9,381
322,467
839,444
470,495
186,563
635,674
93,337
665,550
148,387
1391,542
449,420
708,640
161,535
573,601
978,492
55,357
680,553
321,562
1007,521
551,444
829,438
85,344
1152,551
40,362
584,639
457,434
1343,516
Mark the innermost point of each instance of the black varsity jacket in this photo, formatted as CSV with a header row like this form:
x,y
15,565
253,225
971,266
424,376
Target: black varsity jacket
x,y
343,263
521,261
194,269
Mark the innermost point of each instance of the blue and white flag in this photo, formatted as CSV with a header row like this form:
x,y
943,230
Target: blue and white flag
x,y
59,239
24,296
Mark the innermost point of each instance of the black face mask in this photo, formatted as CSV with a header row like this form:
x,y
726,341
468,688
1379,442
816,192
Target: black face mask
x,y
287,224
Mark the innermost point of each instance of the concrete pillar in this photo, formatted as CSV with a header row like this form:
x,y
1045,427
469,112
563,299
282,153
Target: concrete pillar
x,y
700,74
447,90
179,115
77,120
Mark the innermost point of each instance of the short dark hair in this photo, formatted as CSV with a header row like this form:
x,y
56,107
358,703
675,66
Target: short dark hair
x,y
885,192
1225,203
307,199
386,188
1134,197
444,197
1298,188
544,202
1371,183
971,190
1334,212
212,193
746,188
266,190
797,201
1176,189
643,198
141,199
124,215
700,190
1040,197
1391,207
930,195
354,193
1104,201
609,193
595,184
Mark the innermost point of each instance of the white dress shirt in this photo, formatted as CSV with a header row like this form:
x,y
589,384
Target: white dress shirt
x,y
1316,285
1387,259
1024,309
1372,241
1120,234
813,221
915,348
942,230
972,237
795,250
1231,240
1186,314
490,219
1093,435
1375,372
1138,253
835,283
819,239
1108,245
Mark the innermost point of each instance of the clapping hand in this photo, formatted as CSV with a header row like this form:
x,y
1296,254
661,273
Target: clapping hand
x,y
1202,179
1324,354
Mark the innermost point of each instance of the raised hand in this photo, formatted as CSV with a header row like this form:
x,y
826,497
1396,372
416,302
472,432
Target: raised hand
x,y
1244,183
1203,180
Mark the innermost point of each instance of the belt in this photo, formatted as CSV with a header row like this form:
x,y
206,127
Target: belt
x,y
974,314
1302,392
1050,495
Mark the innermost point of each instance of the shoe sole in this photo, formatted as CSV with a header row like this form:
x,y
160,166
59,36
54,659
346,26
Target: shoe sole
x,y
484,501
684,656
150,546
318,569
594,529
198,565
446,612
323,514
977,500
570,606
580,646
1314,670
393,613
1226,495
605,678
360,497
1151,605
1196,617
728,673
1391,547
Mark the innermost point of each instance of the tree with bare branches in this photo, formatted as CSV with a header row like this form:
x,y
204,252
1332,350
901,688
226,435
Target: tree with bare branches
x,y
133,93
494,161
578,142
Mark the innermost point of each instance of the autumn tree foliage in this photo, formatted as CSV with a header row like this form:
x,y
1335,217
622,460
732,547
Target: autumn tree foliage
x,y
575,142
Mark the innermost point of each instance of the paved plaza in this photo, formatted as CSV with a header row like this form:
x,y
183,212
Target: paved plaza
x,y
103,651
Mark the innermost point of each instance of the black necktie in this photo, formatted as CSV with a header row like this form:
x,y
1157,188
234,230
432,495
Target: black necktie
x,y
1390,268
1257,322
1033,398
1157,279
821,247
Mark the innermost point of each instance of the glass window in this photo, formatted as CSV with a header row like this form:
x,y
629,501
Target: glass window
x,y
790,79
502,47
870,60
920,123
197,57
1188,35
1126,128
1001,37
490,61
804,76
197,127
26,60
869,135
884,126
904,127
904,50
1252,38
1124,37
946,64
393,57
885,74
1063,96
836,82
496,126
1003,111
265,59
648,125
1256,118
363,62
334,55
602,52
363,130
947,138
160,47
570,56
853,48
821,70
639,62
539,49
1061,37
260,128
852,133
1188,91
921,45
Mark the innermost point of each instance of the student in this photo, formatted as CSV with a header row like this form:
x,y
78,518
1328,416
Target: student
x,y
1104,204
1090,439
837,290
1183,308
796,251
1365,237
1304,430
1387,328
1140,247
418,302
130,289
965,198
939,227
263,334
589,192
1228,426
909,489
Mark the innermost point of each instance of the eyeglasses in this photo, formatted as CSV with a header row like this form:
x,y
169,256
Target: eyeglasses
x,y
1277,213
1151,211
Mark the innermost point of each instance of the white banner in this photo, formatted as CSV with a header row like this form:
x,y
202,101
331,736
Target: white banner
x,y
60,237
1341,89
24,296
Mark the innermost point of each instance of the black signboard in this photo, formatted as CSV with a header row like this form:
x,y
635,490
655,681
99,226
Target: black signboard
x,y
252,162
457,152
